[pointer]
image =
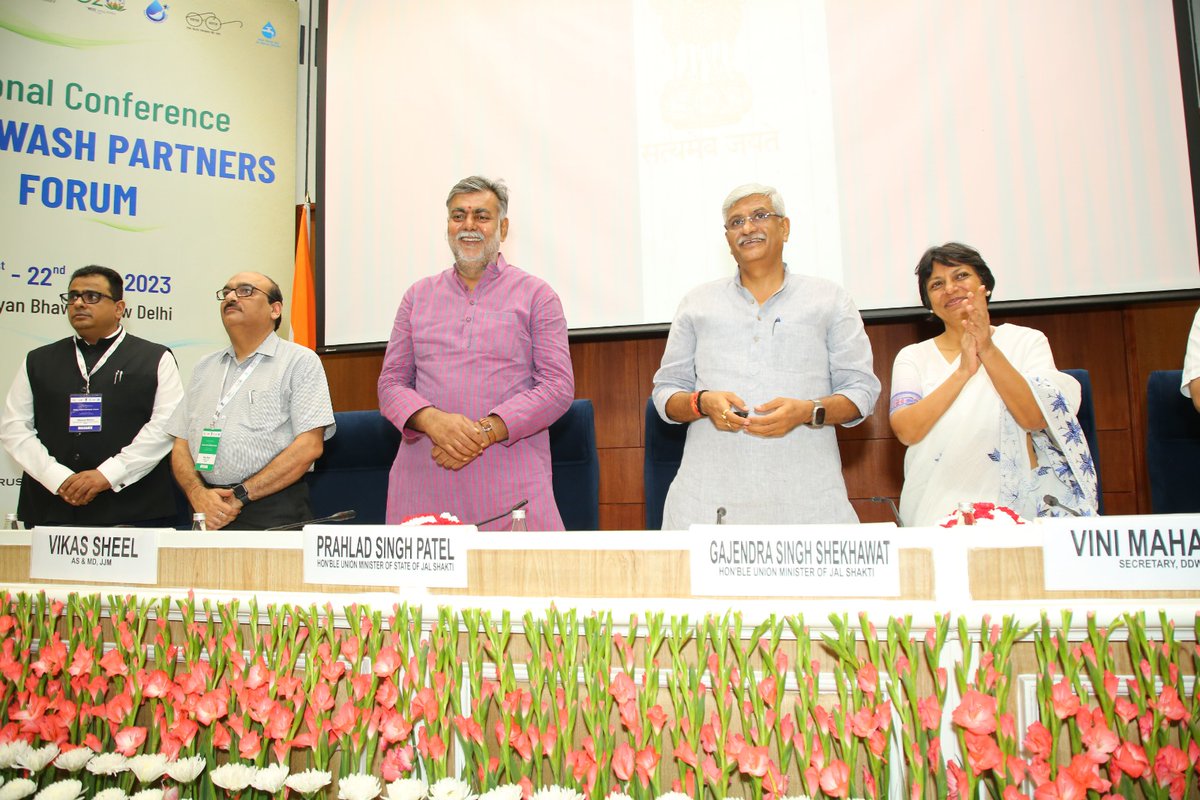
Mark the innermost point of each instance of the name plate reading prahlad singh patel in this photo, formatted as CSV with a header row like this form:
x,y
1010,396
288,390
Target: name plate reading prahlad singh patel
x,y
431,556
1145,552
94,555
794,560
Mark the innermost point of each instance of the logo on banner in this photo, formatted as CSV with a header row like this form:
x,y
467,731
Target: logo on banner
x,y
268,35
156,11
103,6
208,22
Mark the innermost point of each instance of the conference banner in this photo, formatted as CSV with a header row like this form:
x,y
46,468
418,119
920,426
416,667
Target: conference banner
x,y
154,138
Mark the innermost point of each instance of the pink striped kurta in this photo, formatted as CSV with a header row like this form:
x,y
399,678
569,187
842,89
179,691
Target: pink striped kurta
x,y
499,349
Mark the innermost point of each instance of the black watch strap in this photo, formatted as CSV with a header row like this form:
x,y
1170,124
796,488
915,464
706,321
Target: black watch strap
x,y
241,494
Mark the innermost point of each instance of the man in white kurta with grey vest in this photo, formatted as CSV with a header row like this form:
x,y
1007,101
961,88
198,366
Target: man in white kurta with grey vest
x,y
760,366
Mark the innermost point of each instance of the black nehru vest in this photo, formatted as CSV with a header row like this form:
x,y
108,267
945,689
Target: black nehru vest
x,y
128,382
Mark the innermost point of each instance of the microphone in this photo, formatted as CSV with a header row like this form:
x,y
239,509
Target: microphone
x,y
502,514
721,515
1052,501
340,516
892,504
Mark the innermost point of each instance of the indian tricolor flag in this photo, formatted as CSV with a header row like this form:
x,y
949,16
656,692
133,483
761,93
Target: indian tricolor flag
x,y
304,296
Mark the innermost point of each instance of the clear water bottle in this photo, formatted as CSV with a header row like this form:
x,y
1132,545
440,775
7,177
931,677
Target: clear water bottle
x,y
519,525
11,523
198,522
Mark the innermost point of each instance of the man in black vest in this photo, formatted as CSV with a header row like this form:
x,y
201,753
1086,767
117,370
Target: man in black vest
x,y
85,417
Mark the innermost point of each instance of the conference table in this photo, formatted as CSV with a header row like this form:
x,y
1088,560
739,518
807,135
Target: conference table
x,y
611,661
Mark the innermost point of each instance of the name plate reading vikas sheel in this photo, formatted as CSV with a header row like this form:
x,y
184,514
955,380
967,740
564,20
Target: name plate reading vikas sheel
x,y
94,555
429,556
1151,553
795,561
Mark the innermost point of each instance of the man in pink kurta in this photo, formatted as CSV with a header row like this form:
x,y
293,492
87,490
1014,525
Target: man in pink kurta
x,y
476,370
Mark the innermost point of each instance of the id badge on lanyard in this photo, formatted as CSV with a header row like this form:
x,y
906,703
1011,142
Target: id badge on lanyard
x,y
210,437
84,413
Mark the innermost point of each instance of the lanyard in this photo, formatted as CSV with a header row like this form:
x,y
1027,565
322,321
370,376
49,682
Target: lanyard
x,y
83,370
224,401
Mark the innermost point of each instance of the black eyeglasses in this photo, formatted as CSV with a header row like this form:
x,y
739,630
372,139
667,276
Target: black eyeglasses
x,y
88,296
761,216
241,290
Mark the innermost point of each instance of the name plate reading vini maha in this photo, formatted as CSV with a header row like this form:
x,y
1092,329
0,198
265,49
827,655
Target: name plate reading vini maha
x,y
1150,553
429,556
794,561
94,555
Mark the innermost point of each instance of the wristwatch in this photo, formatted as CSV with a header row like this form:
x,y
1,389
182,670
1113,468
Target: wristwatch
x,y
818,415
241,494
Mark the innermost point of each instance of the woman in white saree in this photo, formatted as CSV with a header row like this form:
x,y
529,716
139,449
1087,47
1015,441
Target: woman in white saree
x,y
984,412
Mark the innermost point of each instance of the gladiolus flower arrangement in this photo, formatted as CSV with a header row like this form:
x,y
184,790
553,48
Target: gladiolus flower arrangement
x,y
122,697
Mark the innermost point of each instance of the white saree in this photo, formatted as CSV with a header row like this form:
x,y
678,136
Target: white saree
x,y
977,452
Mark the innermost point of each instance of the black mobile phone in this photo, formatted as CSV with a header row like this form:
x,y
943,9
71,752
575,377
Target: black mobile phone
x,y
741,413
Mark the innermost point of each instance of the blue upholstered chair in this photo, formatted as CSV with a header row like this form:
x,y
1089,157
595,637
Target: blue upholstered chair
x,y
664,451
1087,421
352,473
576,467
1172,445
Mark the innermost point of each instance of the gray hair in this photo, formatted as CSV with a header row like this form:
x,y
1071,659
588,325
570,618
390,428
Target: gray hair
x,y
750,189
478,183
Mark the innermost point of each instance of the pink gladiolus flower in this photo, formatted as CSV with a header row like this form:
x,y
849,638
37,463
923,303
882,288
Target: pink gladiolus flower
x,y
1110,683
708,738
1013,793
211,707
349,650
983,753
767,691
657,718
712,773
113,664
467,727
868,677
753,761
862,724
1130,758
929,712
279,725
835,779
128,740
623,689
1169,704
685,753
1008,725
344,718
250,745
646,762
1125,709
156,684
360,684
1169,763
622,761
1064,700
397,763
976,713
387,661
81,661
1100,742
386,694
119,708
430,746
1038,740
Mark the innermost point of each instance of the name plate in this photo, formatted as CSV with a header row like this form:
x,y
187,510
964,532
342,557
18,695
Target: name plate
x,y
94,555
795,561
1144,552
430,556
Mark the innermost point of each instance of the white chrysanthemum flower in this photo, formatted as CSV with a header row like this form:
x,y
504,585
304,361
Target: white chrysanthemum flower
x,y
36,760
107,764
114,793
69,789
148,767
509,791
622,796
17,789
232,777
409,789
74,760
359,786
186,770
309,781
11,752
145,794
451,789
558,793
270,779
